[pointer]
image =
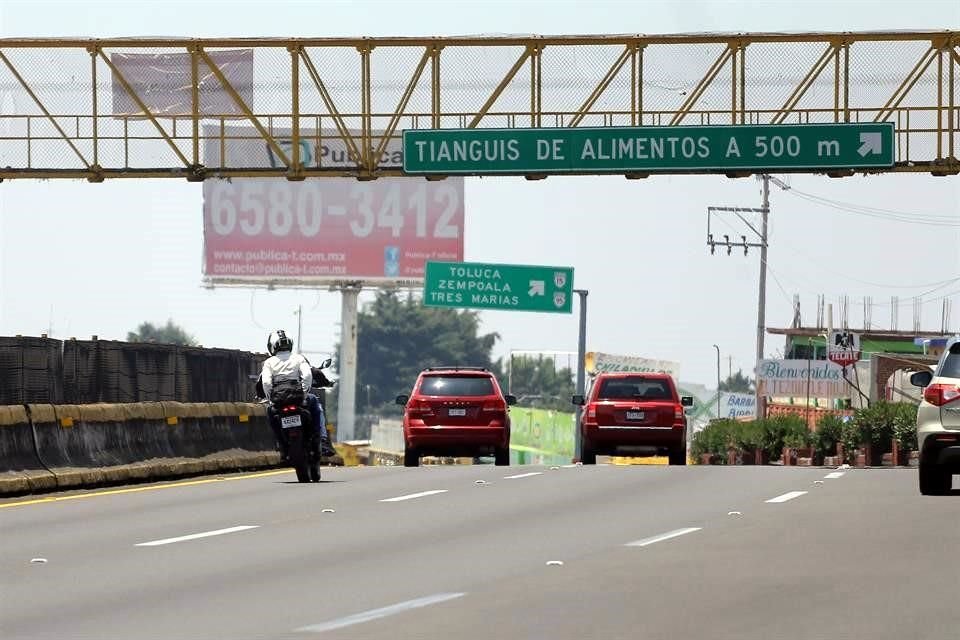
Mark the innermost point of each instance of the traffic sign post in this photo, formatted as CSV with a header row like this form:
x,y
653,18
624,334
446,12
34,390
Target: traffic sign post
x,y
648,149
505,287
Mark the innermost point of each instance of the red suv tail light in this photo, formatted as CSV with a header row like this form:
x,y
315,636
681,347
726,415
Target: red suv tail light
x,y
941,394
678,412
591,414
420,408
494,406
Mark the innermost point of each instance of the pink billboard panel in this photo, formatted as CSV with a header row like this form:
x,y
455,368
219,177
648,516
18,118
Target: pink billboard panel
x,y
329,229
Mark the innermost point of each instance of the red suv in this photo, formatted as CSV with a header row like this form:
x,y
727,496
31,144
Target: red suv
x,y
631,413
456,411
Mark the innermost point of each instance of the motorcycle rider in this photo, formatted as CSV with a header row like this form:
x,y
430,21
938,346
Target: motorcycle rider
x,y
284,363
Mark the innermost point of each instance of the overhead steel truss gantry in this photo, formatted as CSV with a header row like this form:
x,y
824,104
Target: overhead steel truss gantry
x,y
204,108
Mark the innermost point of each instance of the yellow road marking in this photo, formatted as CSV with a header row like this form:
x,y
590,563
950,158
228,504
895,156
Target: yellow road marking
x,y
113,492
627,460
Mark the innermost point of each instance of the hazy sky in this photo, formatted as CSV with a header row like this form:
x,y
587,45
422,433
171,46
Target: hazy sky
x,y
85,259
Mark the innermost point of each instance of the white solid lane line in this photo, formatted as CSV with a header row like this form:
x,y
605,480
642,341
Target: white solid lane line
x,y
375,614
523,475
411,496
195,536
787,496
663,536
835,474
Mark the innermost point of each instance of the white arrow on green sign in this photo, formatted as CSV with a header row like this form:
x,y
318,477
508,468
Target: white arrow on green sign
x,y
648,149
508,287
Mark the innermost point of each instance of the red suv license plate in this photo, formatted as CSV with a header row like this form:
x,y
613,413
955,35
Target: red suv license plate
x,y
456,413
635,415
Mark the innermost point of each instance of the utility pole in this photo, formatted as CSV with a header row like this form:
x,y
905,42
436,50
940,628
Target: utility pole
x,y
718,380
762,244
762,304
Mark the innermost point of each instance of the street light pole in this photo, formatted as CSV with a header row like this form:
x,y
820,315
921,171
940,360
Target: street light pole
x,y
718,380
581,372
299,313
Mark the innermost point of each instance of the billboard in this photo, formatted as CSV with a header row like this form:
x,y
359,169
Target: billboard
x,y
598,362
164,83
322,229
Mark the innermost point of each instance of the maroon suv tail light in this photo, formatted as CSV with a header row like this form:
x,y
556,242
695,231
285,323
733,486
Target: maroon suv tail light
x,y
941,394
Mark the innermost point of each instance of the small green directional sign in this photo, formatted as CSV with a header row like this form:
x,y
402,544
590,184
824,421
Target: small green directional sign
x,y
507,287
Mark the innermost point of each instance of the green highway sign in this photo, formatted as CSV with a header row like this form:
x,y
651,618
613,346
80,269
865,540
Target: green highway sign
x,y
648,149
509,287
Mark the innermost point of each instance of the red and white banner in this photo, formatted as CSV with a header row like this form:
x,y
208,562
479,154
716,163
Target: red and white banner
x,y
329,229
164,83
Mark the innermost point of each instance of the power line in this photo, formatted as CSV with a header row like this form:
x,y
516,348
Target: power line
x,y
880,214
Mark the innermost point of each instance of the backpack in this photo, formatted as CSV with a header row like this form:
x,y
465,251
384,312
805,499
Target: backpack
x,y
287,391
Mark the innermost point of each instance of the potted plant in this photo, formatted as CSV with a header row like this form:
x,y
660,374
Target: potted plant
x,y
750,439
701,446
796,438
829,434
905,431
852,437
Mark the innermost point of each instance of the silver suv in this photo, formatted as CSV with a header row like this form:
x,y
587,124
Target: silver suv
x,y
938,422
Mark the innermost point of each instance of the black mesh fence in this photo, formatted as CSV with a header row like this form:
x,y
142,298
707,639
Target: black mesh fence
x,y
30,370
42,370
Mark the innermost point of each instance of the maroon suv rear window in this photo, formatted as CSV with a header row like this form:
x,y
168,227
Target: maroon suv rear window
x,y
634,388
456,386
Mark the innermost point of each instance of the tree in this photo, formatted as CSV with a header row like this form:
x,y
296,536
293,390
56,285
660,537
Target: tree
x,y
168,334
737,383
398,337
537,382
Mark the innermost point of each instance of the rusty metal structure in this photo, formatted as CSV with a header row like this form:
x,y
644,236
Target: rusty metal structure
x,y
297,108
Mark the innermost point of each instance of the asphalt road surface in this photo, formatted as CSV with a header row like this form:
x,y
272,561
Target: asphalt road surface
x,y
468,552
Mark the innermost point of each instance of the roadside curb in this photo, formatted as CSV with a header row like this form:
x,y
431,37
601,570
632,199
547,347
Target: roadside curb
x,y
18,483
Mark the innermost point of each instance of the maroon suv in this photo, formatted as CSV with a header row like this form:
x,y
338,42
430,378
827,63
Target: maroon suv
x,y
633,414
456,411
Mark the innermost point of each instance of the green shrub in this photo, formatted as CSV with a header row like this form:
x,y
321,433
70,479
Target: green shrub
x,y
748,436
796,434
715,439
876,422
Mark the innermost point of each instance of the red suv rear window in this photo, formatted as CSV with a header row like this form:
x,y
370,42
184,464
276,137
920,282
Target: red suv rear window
x,y
457,386
634,388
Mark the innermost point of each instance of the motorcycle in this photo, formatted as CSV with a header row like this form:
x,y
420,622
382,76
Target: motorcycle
x,y
297,431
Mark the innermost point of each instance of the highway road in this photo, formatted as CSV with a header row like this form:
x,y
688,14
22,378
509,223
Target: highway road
x,y
472,552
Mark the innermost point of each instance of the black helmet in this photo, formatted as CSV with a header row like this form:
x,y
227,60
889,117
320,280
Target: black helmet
x,y
278,341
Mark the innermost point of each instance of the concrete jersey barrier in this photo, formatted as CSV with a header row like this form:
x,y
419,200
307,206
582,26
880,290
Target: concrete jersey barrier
x,y
56,446
20,468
